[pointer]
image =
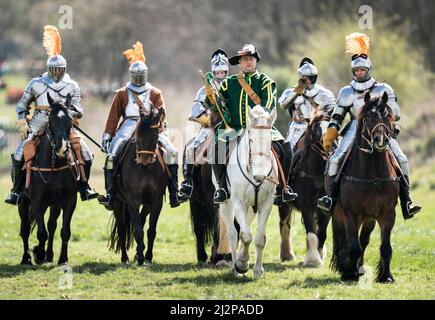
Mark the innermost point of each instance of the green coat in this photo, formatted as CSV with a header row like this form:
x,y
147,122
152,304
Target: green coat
x,y
237,101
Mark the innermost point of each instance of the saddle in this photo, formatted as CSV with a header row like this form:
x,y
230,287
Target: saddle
x,y
75,159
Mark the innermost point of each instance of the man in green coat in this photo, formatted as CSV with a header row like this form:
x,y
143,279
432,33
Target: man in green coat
x,y
238,93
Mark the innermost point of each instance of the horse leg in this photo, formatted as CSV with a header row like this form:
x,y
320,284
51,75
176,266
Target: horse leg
x,y
223,252
242,259
312,258
364,239
23,209
340,249
260,238
121,215
38,210
52,225
354,249
133,209
322,228
151,233
286,249
65,232
198,229
384,274
227,214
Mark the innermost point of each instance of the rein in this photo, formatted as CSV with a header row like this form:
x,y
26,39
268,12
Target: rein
x,y
369,139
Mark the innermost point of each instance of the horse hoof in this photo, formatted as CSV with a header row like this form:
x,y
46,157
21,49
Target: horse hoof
x,y
62,263
288,257
241,269
386,280
313,261
349,277
26,262
38,255
125,261
223,264
361,270
258,273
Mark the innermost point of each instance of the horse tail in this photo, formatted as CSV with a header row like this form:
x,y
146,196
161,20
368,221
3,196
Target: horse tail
x,y
120,219
204,222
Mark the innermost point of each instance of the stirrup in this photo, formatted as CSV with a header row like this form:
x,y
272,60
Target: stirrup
x,y
325,204
411,211
219,198
185,192
288,195
14,199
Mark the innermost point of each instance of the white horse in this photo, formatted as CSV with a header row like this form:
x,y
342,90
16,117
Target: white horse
x,y
251,184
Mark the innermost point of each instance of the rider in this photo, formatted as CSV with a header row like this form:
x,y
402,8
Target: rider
x,y
58,84
201,114
351,100
302,100
260,88
124,105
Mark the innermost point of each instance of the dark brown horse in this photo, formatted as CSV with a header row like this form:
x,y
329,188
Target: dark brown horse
x,y
54,184
142,178
307,180
204,214
368,194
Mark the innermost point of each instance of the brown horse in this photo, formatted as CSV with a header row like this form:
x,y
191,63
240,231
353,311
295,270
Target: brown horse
x,y
369,192
307,180
142,182
54,183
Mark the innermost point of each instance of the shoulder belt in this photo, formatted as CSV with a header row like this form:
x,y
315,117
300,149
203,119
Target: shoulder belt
x,y
254,97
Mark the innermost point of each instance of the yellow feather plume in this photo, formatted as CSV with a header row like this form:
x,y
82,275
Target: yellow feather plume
x,y
51,40
135,54
357,43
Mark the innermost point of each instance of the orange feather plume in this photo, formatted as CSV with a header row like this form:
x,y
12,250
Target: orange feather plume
x,y
51,40
357,43
135,54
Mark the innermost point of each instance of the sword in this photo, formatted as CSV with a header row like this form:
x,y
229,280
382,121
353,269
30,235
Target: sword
x,y
87,136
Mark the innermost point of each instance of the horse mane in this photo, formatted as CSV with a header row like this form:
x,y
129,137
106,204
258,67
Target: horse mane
x,y
375,103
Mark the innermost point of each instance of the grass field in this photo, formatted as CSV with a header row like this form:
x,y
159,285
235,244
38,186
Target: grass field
x,y
98,274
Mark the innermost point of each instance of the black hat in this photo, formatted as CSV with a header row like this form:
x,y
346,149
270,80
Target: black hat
x,y
247,50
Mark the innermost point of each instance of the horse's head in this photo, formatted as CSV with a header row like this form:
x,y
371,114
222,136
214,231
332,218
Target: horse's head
x,y
59,125
147,134
375,124
260,141
317,126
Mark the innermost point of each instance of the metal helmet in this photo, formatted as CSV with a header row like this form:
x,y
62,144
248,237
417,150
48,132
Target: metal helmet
x,y
219,61
361,61
138,72
56,67
308,69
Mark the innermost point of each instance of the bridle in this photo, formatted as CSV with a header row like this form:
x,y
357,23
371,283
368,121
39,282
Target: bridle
x,y
367,135
261,154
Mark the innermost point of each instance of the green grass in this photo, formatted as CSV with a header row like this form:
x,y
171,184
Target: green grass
x,y
98,274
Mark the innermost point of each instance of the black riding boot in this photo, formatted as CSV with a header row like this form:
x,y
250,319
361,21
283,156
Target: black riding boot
x,y
186,186
110,184
18,178
327,203
86,192
284,195
173,186
409,209
222,194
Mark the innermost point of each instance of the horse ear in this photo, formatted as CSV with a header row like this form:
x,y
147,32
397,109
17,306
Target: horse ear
x,y
68,101
272,116
367,98
50,100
